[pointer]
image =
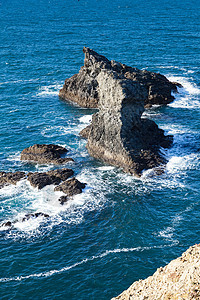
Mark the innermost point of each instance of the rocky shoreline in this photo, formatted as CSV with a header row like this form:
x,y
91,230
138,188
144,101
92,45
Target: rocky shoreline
x,y
44,154
180,279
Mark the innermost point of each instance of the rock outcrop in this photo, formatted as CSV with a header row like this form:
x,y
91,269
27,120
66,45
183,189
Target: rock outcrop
x,y
180,279
83,88
70,187
7,178
118,135
45,154
40,180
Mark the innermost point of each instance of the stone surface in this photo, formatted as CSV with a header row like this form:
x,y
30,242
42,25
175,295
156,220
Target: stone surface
x,y
84,133
45,154
63,199
180,279
118,135
7,178
83,88
40,180
71,187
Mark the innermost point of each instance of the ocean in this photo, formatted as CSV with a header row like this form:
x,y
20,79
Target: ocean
x,y
121,228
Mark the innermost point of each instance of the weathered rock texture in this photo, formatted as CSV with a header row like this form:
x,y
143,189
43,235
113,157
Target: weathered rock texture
x,y
180,279
45,154
70,187
118,135
83,88
40,180
7,178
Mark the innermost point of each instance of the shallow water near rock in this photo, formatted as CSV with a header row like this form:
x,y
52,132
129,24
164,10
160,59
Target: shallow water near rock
x,y
120,229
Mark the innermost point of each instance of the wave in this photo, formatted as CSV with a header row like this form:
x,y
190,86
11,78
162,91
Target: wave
x,y
188,96
50,90
71,128
67,268
19,81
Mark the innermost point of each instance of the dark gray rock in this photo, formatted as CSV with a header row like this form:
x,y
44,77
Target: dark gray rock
x,y
45,154
63,199
40,180
34,215
71,187
7,178
83,88
118,135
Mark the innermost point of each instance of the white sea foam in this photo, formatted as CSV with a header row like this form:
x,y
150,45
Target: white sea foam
x,y
50,90
95,257
106,168
188,96
22,198
86,119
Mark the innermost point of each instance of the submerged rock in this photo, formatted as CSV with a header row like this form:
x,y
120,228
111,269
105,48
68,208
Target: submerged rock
x,y
83,88
7,178
70,187
27,217
63,199
34,215
45,154
118,135
40,180
180,279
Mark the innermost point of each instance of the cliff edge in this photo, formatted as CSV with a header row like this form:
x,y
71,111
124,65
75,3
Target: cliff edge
x,y
180,279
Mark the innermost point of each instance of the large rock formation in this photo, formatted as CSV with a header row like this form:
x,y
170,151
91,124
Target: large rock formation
x,y
83,88
45,154
118,135
180,279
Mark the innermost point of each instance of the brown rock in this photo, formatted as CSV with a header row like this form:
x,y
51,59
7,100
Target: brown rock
x,y
40,180
45,154
71,187
10,178
180,279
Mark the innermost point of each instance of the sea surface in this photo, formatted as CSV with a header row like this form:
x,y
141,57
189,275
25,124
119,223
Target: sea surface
x,y
120,229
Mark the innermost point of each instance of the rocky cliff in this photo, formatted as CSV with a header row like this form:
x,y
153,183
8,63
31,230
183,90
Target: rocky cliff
x,y
180,279
83,88
118,135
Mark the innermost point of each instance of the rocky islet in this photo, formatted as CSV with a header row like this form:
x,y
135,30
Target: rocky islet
x,y
118,133
44,154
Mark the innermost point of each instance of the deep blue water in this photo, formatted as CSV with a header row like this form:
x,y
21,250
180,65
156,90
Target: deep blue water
x,y
121,228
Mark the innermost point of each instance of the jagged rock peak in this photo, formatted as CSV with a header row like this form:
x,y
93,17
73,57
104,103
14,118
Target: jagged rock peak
x,y
83,88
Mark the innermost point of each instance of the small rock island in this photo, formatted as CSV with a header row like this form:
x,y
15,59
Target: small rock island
x,y
118,134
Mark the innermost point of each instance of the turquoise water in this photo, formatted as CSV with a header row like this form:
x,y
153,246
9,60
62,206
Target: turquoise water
x,y
121,228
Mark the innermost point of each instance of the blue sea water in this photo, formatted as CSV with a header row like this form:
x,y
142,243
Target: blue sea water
x,y
121,228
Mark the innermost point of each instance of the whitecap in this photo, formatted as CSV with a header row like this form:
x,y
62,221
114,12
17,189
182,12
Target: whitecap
x,y
86,119
187,96
49,90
